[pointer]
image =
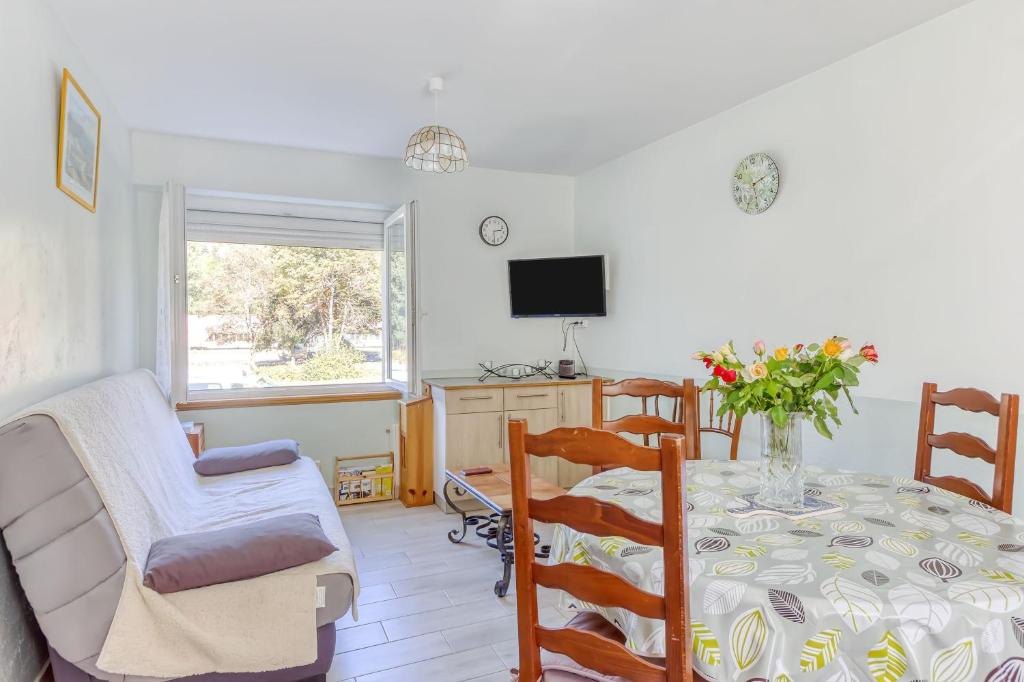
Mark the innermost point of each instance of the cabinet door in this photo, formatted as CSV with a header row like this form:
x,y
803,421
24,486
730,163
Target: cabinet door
x,y
575,408
474,439
537,421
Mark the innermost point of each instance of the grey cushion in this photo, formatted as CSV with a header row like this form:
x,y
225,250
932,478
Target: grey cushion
x,y
217,461
182,562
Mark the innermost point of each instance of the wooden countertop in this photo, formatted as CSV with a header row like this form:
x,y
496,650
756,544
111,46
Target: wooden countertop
x,y
455,383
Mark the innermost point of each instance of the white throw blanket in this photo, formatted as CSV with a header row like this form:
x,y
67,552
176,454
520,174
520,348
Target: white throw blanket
x,y
133,448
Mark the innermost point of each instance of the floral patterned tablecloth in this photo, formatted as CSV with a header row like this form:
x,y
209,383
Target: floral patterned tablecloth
x,y
907,582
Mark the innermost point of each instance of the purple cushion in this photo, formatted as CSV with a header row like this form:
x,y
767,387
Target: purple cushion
x,y
182,562
271,453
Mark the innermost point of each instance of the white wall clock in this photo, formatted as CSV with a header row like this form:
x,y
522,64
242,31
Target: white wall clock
x,y
494,230
755,184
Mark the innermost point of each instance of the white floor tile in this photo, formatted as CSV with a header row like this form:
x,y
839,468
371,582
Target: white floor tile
x,y
390,655
465,665
441,619
360,637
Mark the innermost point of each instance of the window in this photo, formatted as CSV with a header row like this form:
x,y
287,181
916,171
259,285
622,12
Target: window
x,y
285,298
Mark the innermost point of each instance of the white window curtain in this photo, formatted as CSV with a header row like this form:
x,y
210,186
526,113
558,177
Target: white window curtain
x,y
170,261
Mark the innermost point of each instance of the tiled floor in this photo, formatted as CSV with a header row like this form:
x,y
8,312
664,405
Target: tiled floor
x,y
427,610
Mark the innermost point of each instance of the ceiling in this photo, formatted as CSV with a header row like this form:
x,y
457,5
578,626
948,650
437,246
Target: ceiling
x,y
532,85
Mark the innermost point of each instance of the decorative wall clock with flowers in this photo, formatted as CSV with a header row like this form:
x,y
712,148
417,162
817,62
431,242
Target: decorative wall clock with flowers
x,y
755,183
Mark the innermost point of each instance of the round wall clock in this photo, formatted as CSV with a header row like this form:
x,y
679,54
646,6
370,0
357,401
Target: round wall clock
x,y
755,184
494,230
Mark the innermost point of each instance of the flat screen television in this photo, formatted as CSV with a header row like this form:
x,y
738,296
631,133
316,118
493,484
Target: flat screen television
x,y
557,287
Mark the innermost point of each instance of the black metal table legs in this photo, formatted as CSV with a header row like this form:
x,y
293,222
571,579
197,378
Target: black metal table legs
x,y
496,531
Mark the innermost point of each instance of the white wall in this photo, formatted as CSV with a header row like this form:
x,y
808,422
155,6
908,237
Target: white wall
x,y
463,289
67,313
898,222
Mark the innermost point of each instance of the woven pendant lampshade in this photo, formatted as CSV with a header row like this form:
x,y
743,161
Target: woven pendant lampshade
x,y
434,148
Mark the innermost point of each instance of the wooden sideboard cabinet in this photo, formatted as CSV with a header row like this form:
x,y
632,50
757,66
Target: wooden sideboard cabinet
x,y
471,422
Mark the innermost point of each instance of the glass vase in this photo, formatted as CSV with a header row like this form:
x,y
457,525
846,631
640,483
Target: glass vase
x,y
782,462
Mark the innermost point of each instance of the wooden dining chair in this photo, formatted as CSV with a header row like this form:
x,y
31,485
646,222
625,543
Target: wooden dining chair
x,y
681,411
1002,455
589,639
727,425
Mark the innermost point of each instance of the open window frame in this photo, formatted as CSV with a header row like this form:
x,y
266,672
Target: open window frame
x,y
219,213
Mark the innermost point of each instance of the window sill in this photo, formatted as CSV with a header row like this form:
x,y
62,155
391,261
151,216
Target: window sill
x,y
307,399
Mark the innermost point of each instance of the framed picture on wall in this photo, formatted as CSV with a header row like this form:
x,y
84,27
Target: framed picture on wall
x,y
78,144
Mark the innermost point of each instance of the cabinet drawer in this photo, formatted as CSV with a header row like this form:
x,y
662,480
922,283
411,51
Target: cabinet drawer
x,y
469,400
531,397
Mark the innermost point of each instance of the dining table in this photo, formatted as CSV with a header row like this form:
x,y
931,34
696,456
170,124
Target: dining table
x,y
904,581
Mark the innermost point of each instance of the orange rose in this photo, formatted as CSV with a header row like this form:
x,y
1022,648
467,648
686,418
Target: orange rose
x,y
832,348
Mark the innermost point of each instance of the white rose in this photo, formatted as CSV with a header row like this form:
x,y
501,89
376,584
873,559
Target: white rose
x,y
717,357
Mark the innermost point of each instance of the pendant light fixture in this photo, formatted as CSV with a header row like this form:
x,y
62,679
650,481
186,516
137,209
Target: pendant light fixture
x,y
434,148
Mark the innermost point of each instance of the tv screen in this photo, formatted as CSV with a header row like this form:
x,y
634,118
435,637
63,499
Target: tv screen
x,y
557,287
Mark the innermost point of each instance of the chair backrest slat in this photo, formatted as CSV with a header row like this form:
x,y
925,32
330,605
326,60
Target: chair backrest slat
x,y
596,517
581,445
602,654
589,583
970,399
595,586
1003,455
960,486
644,425
963,444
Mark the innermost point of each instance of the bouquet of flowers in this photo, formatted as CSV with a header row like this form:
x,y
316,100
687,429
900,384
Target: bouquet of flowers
x,y
802,379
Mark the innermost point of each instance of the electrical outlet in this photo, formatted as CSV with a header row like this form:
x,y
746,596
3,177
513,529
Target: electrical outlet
x,y
584,323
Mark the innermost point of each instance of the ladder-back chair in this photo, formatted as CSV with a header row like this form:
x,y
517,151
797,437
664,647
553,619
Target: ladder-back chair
x,y
727,425
597,652
682,416
1002,456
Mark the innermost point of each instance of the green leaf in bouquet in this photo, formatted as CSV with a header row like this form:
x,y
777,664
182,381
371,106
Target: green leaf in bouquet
x,y
856,360
850,377
795,382
822,428
825,381
849,399
813,348
778,414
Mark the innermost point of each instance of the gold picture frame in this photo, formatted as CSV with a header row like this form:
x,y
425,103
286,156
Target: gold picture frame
x,y
78,144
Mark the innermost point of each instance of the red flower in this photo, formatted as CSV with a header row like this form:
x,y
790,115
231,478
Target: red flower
x,y
869,353
797,348
717,371
708,362
729,376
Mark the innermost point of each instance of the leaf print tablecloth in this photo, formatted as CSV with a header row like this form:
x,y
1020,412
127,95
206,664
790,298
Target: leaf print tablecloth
x,y
907,582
